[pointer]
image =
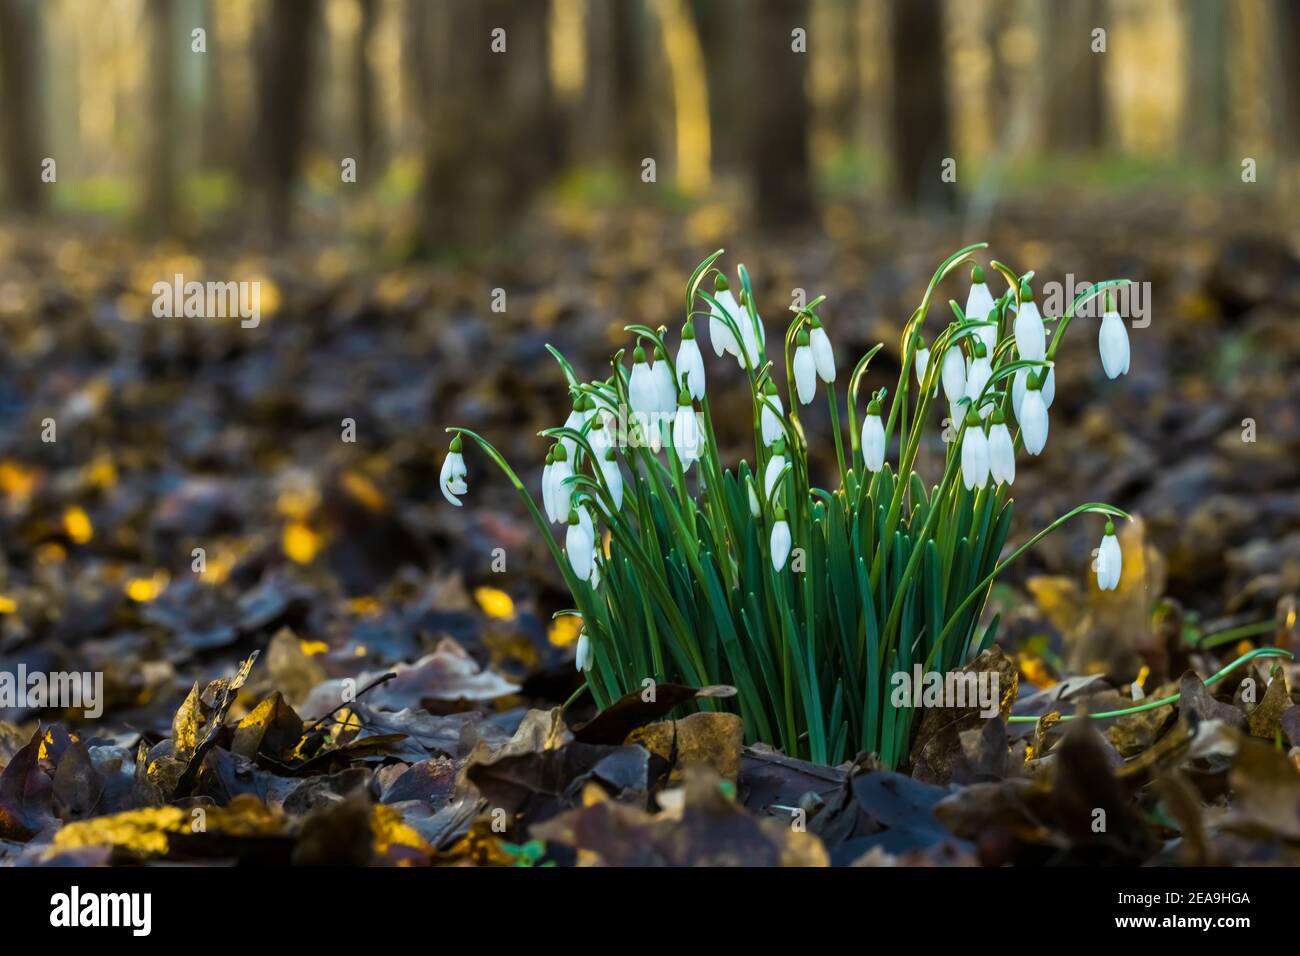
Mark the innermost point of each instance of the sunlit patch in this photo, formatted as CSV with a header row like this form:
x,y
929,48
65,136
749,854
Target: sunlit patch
x,y
147,589
495,603
17,480
300,543
564,630
7,604
363,490
77,525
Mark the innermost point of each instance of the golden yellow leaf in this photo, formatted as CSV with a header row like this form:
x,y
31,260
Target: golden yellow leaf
x,y
77,524
495,603
300,542
564,630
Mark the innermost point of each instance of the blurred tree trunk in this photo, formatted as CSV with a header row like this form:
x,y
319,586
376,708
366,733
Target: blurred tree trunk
x,y
779,114
219,144
728,78
1205,109
1288,35
919,117
491,137
617,125
285,79
159,209
1074,99
20,124
364,77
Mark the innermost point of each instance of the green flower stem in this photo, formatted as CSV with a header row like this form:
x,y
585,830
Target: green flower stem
x,y
1173,698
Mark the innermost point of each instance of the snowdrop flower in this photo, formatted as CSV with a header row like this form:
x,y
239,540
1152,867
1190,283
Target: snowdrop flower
x,y
1112,341
599,437
583,658
451,480
748,337
979,303
1002,451
981,370
642,390
579,543
953,373
664,384
1110,560
1031,337
873,437
1018,388
921,356
720,334
1033,417
575,421
780,540
561,493
822,353
770,420
613,476
805,368
548,499
686,432
754,509
690,363
974,453
775,465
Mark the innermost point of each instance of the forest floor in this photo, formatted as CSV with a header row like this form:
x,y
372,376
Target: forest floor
x,y
182,511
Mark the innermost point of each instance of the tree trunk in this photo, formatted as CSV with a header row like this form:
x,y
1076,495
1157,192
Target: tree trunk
x,y
20,126
1205,111
364,78
779,114
919,105
1288,60
617,125
490,128
285,78
160,154
1074,98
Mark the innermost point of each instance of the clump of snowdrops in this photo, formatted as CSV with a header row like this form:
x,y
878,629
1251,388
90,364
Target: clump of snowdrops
x,y
806,599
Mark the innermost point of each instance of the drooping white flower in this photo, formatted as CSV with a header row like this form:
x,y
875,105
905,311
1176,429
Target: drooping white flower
x,y
690,363
953,373
720,334
822,353
451,479
805,369
1110,560
687,437
979,303
599,437
1033,417
665,387
769,417
584,655
775,465
642,391
561,493
613,476
1018,388
548,498
978,375
921,358
579,541
1031,337
749,338
873,438
780,541
575,421
974,453
1002,450
1112,342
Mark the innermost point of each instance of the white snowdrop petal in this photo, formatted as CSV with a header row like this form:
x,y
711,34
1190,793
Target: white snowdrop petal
x,y
805,374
